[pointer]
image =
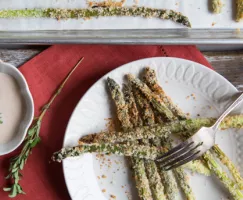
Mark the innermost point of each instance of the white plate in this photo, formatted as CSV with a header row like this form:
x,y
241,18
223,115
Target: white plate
x,y
179,78
29,108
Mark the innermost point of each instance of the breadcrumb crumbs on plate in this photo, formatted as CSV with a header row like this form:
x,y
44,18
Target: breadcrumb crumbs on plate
x,y
113,196
213,23
104,190
104,176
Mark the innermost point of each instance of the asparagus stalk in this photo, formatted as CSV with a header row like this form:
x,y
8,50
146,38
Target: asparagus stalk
x,y
154,100
141,180
239,10
179,173
121,106
124,105
97,12
154,179
217,6
215,167
128,149
198,167
150,79
132,107
148,117
226,161
222,176
163,130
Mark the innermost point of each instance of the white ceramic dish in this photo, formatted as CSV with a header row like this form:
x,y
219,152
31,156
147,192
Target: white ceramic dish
x,y
29,108
179,78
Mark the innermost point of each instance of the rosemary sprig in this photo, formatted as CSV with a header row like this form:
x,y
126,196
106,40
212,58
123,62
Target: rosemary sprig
x,y
32,139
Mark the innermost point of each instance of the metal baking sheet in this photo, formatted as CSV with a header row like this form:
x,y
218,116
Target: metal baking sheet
x,y
206,27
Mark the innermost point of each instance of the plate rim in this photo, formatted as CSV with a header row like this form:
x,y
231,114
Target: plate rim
x,y
132,63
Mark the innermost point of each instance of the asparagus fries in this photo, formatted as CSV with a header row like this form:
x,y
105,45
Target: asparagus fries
x,y
160,106
153,172
143,143
124,105
217,6
214,166
97,12
156,187
198,167
164,130
148,117
239,10
121,107
179,173
226,161
228,183
150,79
128,149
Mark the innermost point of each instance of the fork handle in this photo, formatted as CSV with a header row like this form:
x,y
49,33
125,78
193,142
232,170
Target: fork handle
x,y
228,110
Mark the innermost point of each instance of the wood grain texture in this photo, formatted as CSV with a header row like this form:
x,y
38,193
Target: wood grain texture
x,y
17,57
227,63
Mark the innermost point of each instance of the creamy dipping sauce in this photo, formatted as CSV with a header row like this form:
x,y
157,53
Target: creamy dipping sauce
x,y
11,107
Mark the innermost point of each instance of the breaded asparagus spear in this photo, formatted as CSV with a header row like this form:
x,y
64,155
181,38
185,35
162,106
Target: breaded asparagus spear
x,y
164,130
198,167
85,13
239,10
151,168
217,6
153,99
226,161
128,149
179,173
151,79
121,107
125,105
209,159
132,107
222,176
148,117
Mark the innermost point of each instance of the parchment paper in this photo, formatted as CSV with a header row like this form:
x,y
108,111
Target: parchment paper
x,y
197,11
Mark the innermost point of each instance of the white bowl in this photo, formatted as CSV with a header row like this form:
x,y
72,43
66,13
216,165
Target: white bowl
x,y
29,108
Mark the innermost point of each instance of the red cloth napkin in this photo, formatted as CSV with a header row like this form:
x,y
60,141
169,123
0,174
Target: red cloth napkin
x,y
42,179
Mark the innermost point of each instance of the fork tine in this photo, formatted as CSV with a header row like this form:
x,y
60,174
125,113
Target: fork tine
x,y
176,149
176,154
180,157
190,158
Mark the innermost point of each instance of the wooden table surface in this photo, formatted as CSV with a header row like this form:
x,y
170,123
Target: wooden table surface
x,y
227,63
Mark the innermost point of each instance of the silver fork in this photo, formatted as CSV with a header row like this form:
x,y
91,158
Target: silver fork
x,y
196,145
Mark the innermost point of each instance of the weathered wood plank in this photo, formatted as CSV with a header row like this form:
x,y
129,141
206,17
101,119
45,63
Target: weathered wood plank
x,y
229,64
17,57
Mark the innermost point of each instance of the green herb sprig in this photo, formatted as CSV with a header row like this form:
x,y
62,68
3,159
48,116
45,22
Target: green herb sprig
x,y
32,139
